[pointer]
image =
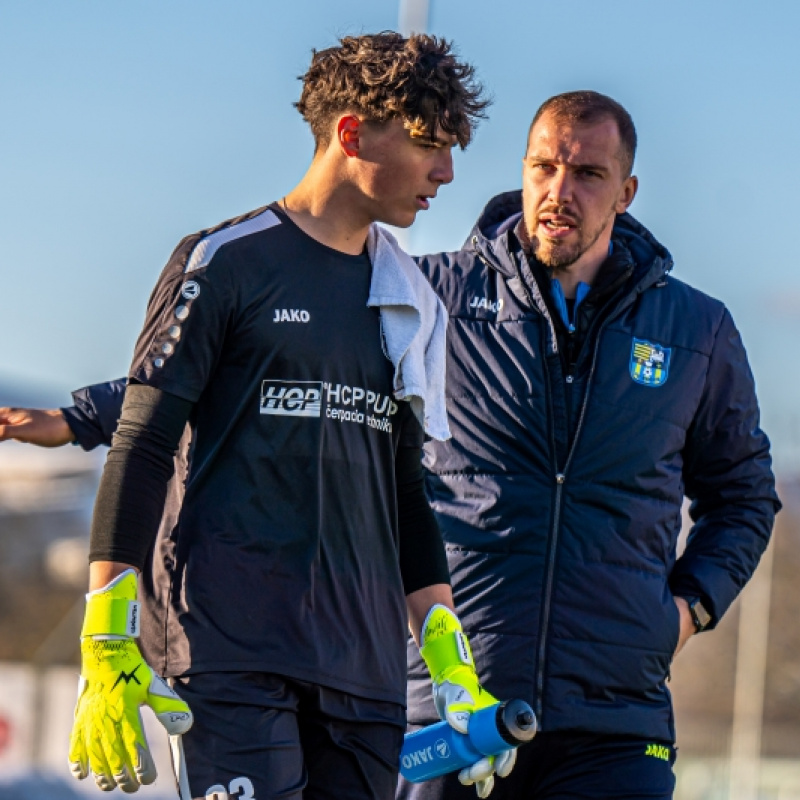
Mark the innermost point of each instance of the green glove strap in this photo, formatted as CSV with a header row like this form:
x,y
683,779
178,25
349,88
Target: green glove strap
x,y
450,650
444,646
113,611
109,617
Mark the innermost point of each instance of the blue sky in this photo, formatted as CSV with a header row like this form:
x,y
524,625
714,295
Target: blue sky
x,y
126,125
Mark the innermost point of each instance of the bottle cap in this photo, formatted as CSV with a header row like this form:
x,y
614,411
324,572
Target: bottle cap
x,y
516,722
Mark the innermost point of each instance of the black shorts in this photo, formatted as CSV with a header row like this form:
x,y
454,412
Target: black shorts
x,y
570,766
258,736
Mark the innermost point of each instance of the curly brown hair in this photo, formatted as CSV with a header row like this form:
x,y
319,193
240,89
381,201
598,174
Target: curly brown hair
x,y
386,76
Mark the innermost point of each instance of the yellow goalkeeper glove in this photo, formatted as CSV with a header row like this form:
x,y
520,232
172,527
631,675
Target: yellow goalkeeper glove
x,y
457,692
107,735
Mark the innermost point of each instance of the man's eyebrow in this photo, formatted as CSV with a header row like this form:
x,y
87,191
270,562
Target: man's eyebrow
x,y
592,167
573,166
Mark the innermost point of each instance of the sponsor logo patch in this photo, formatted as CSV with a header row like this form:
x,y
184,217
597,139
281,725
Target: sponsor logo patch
x,y
334,401
649,363
291,398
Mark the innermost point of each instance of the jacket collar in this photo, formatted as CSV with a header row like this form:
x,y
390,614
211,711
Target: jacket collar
x,y
493,240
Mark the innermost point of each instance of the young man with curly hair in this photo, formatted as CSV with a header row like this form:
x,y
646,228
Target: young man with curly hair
x,y
304,350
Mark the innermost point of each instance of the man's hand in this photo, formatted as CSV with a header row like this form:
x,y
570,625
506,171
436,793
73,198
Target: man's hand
x,y
687,624
457,692
44,427
107,736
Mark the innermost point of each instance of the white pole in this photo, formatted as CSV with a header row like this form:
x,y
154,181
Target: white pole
x,y
748,693
413,17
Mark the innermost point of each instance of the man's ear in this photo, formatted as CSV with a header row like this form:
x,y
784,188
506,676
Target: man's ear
x,y
347,132
627,193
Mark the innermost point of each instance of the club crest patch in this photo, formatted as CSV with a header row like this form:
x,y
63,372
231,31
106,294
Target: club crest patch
x,y
649,363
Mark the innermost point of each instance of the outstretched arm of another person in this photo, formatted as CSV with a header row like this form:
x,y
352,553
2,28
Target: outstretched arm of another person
x,y
95,412
45,427
91,421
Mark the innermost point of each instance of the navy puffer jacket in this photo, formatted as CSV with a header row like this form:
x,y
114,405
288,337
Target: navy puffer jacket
x,y
559,495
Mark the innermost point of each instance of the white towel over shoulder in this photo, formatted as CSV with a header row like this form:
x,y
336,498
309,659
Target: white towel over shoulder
x,y
413,326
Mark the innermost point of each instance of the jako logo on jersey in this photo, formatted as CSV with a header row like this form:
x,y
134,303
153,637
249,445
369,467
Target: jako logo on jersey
x,y
482,302
291,315
657,751
291,398
190,290
649,363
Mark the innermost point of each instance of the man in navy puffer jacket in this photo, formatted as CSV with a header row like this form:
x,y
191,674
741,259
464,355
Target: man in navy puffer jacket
x,y
589,391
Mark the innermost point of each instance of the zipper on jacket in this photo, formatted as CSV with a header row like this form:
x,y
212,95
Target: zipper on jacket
x,y
548,593
546,326
560,479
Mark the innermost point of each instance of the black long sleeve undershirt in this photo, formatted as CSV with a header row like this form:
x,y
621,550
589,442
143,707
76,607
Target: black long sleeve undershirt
x,y
131,497
422,558
130,500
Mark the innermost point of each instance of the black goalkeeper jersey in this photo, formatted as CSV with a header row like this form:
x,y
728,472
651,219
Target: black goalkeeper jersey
x,y
285,555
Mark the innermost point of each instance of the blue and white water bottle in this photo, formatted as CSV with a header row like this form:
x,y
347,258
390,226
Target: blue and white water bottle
x,y
438,749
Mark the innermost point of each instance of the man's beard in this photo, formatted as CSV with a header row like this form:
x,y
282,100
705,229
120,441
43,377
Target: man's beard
x,y
559,256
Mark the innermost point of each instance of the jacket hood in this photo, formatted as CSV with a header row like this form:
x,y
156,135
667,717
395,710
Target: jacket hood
x,y
490,237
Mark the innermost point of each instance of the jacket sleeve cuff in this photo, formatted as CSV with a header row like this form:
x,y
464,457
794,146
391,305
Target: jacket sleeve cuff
x,y
93,419
87,434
